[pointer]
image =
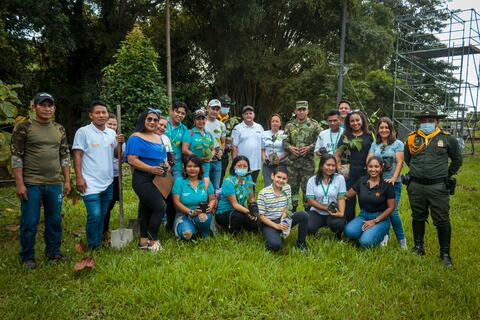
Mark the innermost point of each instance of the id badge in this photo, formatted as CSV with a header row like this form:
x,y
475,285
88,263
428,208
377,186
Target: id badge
x,y
325,200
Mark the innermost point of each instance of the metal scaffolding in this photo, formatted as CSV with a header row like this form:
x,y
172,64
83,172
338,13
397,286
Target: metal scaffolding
x,y
454,45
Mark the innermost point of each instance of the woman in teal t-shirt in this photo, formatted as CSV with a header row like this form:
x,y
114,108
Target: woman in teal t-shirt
x,y
232,211
390,150
199,142
193,200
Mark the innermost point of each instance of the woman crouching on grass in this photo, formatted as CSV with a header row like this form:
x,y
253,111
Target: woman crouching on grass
x,y
326,195
274,205
193,200
232,212
377,201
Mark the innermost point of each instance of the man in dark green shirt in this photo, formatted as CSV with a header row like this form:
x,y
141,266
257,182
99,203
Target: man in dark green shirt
x,y
40,157
427,153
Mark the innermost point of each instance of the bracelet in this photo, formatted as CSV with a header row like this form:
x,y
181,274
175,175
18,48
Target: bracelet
x,y
376,220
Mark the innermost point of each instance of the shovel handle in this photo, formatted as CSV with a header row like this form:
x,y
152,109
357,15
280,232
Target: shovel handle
x,y
120,161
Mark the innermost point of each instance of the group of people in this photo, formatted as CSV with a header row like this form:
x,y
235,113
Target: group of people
x,y
354,164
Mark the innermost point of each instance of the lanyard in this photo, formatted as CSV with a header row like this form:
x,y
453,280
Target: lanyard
x,y
325,192
172,129
334,145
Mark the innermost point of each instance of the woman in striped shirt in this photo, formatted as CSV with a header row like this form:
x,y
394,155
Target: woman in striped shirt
x,y
274,207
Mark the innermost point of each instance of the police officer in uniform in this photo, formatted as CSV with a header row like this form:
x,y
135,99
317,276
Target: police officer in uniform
x,y
302,133
427,151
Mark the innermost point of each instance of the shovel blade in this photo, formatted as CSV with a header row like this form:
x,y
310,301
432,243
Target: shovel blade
x,y
121,237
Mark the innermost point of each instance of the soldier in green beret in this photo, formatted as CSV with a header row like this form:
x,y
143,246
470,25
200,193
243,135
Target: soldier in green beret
x,y
302,133
427,151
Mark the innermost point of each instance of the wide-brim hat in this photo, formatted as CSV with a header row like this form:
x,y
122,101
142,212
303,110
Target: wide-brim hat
x,y
430,114
225,99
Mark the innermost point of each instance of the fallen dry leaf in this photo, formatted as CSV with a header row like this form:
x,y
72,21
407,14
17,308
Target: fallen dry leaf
x,y
13,227
85,263
81,246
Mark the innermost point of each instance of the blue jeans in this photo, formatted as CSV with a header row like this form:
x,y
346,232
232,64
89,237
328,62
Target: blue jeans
x,y
206,169
267,174
177,174
51,197
192,226
215,173
97,206
395,216
370,237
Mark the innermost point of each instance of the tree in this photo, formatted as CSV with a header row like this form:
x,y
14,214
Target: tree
x,y
134,80
8,118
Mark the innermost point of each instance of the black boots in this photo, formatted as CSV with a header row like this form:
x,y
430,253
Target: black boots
x,y
418,233
444,235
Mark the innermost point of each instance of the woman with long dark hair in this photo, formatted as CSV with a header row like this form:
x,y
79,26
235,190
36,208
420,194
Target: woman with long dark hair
x,y
193,200
326,195
390,149
352,152
377,201
147,154
233,213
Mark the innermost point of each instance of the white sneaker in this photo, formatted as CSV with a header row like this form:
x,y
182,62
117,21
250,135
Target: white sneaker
x,y
155,246
403,244
384,241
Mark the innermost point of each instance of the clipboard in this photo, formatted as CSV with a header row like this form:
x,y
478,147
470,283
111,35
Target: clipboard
x,y
164,184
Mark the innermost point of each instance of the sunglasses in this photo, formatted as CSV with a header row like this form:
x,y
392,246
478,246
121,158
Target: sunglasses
x,y
150,119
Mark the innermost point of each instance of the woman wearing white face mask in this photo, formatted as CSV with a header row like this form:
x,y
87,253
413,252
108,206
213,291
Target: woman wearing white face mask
x,y
232,212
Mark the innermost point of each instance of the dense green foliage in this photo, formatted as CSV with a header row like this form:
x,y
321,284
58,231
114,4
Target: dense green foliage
x,y
264,53
234,277
134,81
8,116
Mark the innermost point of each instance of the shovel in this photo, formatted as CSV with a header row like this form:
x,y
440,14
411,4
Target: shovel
x,y
120,237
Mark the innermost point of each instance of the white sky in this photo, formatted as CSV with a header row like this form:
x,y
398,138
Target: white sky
x,y
465,4
468,99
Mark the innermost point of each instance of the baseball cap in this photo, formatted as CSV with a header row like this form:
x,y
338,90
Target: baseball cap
x,y
43,96
199,113
247,108
214,103
301,104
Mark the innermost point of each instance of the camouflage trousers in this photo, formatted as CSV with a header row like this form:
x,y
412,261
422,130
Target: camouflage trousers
x,y
299,171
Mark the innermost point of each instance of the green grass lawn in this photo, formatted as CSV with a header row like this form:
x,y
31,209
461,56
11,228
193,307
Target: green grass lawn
x,y
234,277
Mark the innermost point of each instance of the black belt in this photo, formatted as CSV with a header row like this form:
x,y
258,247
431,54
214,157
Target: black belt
x,y
428,182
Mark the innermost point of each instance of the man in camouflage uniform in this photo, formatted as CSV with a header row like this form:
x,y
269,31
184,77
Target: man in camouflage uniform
x,y
40,157
301,134
427,151
230,123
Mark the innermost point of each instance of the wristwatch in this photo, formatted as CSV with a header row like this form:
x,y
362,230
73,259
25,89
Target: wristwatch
x,y
190,213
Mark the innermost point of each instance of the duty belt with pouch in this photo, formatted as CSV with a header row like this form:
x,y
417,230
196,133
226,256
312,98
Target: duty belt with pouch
x,y
450,182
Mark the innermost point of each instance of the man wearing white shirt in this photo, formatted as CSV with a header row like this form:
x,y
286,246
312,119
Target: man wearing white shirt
x,y
247,140
93,148
327,140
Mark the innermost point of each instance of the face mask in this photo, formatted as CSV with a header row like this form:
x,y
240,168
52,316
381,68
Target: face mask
x,y
241,172
224,110
427,127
